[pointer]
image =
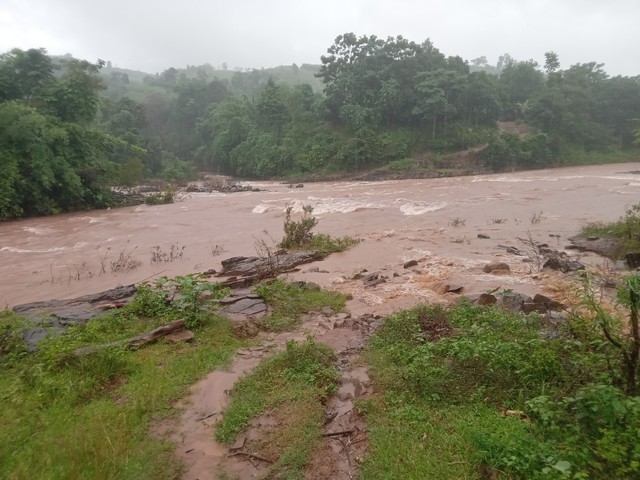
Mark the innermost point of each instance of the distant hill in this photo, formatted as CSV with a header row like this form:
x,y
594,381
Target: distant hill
x,y
138,85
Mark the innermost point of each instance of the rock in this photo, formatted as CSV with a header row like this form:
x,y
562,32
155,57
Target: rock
x,y
313,270
484,236
513,300
553,264
209,272
574,266
396,274
549,303
75,310
327,311
246,306
453,288
496,267
410,263
373,279
487,299
180,336
633,260
265,267
299,185
530,306
592,238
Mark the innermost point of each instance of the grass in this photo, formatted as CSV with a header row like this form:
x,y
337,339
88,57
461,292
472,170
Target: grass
x,y
444,378
289,301
63,416
291,388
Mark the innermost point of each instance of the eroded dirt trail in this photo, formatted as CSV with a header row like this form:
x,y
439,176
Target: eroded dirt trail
x,y
193,430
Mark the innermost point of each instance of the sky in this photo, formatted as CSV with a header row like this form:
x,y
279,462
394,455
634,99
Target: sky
x,y
153,35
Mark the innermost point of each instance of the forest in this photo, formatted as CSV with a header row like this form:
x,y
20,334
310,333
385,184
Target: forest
x,y
70,130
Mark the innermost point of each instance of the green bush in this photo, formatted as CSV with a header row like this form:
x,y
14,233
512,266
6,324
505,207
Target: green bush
x,y
593,434
298,233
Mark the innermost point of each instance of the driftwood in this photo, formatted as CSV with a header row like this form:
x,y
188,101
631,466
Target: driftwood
x,y
250,455
137,341
340,433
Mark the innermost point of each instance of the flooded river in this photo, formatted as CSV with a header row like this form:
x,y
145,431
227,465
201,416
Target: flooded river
x,y
435,221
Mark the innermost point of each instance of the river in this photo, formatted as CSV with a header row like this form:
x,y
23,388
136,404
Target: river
x,y
435,221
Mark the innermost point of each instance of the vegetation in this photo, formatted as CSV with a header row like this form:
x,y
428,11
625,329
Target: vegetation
x,y
291,388
89,416
623,234
477,392
289,301
298,234
70,129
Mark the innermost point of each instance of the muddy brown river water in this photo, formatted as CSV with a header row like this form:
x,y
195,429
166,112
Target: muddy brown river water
x,y
435,221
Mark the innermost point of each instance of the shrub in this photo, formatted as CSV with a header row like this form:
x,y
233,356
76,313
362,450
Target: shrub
x,y
298,233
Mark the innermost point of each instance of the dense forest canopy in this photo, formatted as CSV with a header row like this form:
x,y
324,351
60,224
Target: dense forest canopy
x,y
71,129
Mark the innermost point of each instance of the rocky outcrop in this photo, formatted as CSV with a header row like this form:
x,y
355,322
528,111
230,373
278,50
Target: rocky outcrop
x,y
53,316
252,269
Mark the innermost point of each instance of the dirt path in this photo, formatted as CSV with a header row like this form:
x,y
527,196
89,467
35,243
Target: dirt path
x,y
204,458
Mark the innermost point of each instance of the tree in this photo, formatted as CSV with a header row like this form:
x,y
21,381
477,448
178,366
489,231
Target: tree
x,y
24,73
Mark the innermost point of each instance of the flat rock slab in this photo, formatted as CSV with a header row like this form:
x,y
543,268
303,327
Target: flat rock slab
x,y
75,310
246,306
51,317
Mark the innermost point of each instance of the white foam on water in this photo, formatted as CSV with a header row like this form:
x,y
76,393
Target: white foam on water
x,y
26,250
503,179
38,230
260,208
323,205
419,208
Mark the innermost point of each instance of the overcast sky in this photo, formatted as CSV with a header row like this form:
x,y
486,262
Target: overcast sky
x,y
153,35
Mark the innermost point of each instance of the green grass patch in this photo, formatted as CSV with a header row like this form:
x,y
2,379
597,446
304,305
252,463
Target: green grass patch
x,y
443,377
289,301
65,416
291,387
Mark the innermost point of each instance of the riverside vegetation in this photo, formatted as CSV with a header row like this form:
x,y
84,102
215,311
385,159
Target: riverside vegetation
x,y
71,129
77,415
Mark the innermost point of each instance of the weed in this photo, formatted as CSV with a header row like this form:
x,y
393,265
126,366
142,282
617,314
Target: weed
x,y
216,250
12,345
160,256
534,251
498,220
125,262
535,218
457,222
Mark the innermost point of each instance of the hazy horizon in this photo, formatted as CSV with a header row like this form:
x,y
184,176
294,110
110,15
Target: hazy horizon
x,y
153,36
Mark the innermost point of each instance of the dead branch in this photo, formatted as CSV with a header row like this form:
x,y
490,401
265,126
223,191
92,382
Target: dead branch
x,y
137,341
250,455
341,432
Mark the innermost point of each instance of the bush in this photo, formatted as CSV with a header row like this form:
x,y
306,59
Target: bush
x,y
298,233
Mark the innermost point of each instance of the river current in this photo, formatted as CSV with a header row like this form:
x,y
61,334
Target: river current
x,y
435,221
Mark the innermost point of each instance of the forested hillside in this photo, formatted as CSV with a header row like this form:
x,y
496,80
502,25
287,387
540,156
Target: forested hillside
x,y
71,129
